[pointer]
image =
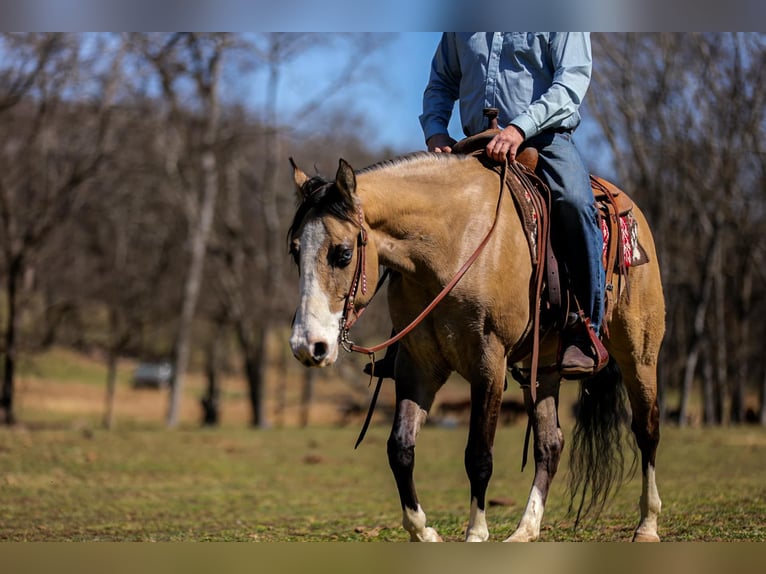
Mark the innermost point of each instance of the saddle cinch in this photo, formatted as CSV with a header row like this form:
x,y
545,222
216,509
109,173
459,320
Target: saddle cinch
x,y
618,226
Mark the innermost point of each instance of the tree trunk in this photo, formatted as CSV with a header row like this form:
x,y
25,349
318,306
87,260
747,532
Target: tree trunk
x,y
253,360
708,391
210,402
762,416
737,411
189,305
207,87
199,240
111,384
687,386
9,373
258,384
252,354
307,395
721,335
698,333
271,217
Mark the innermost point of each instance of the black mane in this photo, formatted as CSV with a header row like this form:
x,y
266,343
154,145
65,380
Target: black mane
x,y
323,196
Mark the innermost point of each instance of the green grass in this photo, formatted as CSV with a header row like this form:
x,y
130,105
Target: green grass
x,y
238,484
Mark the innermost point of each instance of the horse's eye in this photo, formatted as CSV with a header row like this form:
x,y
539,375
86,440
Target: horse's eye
x,y
341,256
295,251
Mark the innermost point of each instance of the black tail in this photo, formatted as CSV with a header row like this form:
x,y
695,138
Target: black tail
x,y
597,461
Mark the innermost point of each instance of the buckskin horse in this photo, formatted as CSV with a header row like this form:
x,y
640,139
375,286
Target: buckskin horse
x,y
422,216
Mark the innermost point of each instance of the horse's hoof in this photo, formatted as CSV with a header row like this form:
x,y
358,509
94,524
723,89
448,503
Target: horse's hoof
x,y
476,537
428,534
645,537
521,536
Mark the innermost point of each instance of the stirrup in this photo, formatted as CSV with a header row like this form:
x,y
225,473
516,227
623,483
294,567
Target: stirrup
x,y
581,352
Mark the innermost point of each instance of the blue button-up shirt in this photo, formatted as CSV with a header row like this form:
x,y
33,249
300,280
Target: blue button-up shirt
x,y
536,79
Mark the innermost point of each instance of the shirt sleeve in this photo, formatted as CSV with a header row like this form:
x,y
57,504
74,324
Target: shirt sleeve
x,y
443,88
572,62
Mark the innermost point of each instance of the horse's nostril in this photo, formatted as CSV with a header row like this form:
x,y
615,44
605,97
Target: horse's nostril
x,y
319,351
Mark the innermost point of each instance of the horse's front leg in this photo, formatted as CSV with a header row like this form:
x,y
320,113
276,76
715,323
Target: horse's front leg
x,y
486,397
548,444
415,391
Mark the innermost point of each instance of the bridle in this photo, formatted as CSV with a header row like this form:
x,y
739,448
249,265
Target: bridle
x,y
358,280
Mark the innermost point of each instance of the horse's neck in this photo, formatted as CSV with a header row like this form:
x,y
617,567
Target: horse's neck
x,y
420,226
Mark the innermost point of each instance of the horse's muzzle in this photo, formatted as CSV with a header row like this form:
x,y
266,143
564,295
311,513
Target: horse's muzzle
x,y
314,354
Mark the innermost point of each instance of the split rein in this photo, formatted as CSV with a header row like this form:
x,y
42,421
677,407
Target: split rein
x,y
359,280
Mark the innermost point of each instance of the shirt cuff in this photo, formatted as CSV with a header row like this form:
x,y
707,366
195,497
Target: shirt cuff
x,y
526,125
431,128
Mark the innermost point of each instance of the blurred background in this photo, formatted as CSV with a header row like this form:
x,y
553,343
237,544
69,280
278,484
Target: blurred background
x,y
145,195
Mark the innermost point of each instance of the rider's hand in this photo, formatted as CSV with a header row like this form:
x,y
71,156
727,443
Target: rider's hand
x,y
440,143
507,142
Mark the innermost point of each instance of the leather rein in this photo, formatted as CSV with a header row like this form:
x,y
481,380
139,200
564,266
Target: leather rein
x,y
359,280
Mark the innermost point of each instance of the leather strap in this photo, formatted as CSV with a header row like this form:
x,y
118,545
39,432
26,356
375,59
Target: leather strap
x,y
352,347
544,251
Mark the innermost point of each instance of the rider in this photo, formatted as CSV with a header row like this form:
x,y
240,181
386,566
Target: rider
x,y
537,80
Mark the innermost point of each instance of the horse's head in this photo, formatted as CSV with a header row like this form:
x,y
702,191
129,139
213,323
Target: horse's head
x,y
325,240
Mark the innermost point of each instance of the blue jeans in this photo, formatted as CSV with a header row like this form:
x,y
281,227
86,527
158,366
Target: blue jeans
x,y
575,229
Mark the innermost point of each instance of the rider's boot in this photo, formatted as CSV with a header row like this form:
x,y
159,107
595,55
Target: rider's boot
x,y
582,354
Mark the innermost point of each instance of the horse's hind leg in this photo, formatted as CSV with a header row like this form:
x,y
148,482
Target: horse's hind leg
x,y
635,342
548,445
640,381
415,392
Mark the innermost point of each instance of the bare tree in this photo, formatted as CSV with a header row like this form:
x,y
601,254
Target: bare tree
x,y
682,114
253,269
198,59
52,148
132,238
172,200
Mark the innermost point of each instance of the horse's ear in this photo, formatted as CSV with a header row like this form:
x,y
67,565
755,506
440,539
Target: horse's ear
x,y
300,178
345,180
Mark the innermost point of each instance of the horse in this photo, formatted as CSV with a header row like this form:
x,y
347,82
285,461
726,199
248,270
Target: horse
x,y
422,215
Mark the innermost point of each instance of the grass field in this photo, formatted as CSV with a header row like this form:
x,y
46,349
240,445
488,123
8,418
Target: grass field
x,y
63,478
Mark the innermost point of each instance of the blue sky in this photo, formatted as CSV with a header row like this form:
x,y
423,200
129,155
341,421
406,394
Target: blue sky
x,y
390,97
409,58
410,63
